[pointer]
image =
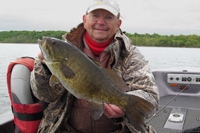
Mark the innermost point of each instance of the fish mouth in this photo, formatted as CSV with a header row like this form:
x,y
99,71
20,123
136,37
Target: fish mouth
x,y
41,42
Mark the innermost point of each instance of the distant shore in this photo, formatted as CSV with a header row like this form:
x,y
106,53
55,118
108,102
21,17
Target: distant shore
x,y
155,40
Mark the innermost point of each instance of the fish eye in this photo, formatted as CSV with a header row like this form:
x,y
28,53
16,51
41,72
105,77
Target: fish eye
x,y
53,42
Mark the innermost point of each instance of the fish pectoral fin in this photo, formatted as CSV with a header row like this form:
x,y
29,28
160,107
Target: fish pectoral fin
x,y
97,109
53,80
67,71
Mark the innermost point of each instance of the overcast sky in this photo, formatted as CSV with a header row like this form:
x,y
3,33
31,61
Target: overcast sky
x,y
164,17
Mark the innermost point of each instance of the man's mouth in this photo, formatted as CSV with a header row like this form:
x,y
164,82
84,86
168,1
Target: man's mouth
x,y
100,29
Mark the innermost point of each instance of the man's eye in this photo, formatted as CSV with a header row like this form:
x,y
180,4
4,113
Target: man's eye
x,y
109,17
95,16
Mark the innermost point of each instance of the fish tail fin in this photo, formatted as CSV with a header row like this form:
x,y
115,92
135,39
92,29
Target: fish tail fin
x,y
137,109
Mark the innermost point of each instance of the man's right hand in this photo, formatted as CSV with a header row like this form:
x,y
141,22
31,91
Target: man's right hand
x,y
40,56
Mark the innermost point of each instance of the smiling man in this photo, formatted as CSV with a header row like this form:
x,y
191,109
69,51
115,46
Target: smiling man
x,y
99,37
101,25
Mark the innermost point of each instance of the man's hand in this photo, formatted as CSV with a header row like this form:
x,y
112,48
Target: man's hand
x,y
113,111
40,56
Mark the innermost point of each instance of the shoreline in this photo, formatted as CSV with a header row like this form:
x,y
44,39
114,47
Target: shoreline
x,y
132,44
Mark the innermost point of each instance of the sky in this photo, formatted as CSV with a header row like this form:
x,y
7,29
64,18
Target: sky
x,y
165,17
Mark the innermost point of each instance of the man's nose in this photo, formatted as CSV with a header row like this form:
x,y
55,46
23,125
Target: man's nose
x,y
101,20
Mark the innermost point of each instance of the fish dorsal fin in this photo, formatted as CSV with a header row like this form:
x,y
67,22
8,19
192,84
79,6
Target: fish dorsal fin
x,y
117,80
95,61
67,71
53,80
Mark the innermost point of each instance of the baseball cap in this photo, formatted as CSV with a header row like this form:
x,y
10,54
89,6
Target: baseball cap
x,y
109,5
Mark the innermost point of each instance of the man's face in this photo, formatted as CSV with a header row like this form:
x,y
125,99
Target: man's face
x,y
101,25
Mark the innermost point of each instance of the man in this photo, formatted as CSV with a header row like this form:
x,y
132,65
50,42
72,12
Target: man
x,y
100,37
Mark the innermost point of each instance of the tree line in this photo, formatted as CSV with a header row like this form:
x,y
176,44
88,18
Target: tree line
x,y
165,40
137,39
27,36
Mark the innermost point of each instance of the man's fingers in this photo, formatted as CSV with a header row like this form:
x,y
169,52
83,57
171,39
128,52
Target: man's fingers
x,y
108,110
107,114
112,111
40,56
117,109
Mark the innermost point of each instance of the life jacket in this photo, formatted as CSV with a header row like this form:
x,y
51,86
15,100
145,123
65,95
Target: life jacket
x,y
27,116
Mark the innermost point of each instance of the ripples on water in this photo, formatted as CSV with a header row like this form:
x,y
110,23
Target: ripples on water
x,y
158,57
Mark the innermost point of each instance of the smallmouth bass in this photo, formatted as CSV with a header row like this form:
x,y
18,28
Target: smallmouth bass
x,y
85,79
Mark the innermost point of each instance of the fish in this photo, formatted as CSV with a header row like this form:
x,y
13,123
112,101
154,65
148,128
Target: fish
x,y
84,78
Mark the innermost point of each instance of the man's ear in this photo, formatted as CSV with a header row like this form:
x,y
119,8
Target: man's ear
x,y
84,20
119,24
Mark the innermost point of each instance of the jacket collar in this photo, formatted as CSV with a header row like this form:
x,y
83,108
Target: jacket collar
x,y
75,36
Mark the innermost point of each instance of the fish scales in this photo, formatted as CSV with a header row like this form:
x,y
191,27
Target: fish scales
x,y
84,78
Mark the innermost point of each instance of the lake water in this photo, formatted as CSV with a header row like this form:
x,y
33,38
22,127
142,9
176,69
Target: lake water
x,y
158,57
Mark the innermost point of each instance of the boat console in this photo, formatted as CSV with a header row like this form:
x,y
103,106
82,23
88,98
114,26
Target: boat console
x,y
179,91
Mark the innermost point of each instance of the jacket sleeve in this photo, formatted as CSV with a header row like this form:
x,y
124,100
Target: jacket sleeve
x,y
139,78
135,71
40,84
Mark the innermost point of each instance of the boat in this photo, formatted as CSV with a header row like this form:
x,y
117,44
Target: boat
x,y
179,92
179,109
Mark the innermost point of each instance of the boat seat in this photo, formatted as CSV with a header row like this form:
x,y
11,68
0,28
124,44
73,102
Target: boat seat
x,y
26,108
20,78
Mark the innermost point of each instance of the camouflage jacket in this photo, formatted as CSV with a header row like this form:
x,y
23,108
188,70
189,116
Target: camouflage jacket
x,y
127,62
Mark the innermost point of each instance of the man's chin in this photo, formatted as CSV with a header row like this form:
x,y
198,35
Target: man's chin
x,y
101,37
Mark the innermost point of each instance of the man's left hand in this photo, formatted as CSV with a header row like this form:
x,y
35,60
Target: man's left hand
x,y
113,111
